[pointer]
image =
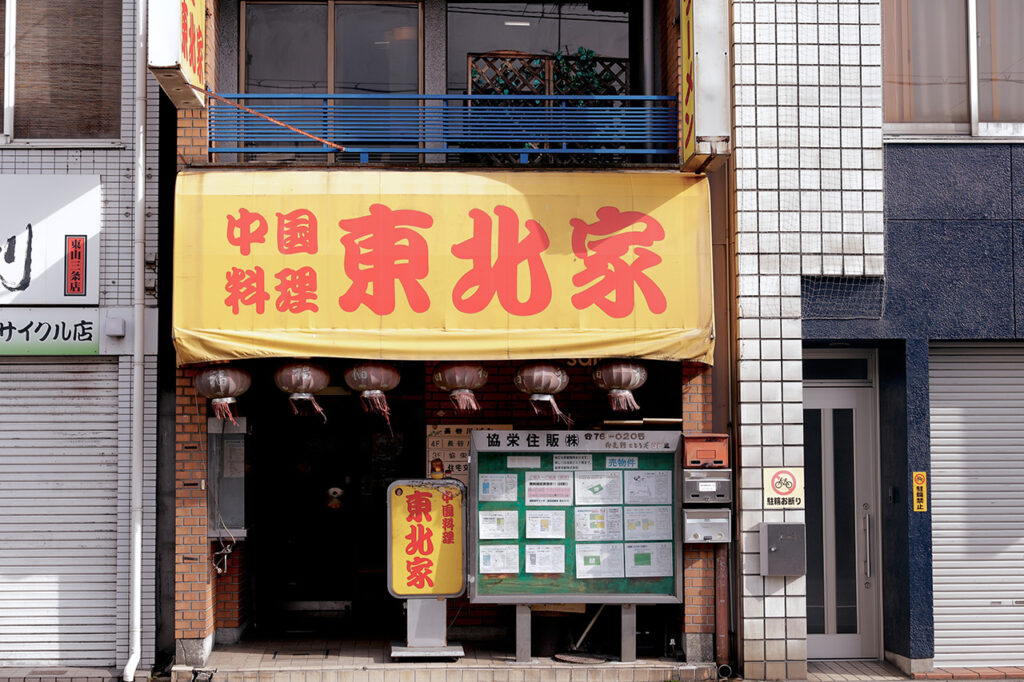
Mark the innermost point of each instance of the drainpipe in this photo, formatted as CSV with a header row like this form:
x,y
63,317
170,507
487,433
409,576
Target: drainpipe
x,y
138,339
10,61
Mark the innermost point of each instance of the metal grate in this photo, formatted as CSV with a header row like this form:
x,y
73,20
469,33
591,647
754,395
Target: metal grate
x,y
842,298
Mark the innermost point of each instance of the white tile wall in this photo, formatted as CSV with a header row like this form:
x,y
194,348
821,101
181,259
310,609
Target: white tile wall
x,y
115,168
808,160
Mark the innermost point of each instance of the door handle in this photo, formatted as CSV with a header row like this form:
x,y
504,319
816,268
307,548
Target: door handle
x,y
867,545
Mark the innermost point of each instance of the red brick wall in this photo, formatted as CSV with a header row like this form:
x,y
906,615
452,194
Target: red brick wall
x,y
696,398
231,590
698,560
193,571
699,589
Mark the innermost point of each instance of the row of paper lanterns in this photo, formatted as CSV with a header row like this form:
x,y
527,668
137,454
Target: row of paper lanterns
x,y
302,380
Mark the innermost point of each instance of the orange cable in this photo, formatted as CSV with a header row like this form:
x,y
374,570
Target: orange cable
x,y
268,118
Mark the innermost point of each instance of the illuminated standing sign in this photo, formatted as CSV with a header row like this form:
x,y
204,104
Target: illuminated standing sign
x,y
177,49
442,265
426,527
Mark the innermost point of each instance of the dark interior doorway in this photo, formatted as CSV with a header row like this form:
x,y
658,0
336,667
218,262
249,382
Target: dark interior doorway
x,y
316,494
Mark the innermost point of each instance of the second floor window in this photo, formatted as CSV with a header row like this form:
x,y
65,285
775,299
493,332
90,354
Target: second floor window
x,y
948,71
66,70
331,47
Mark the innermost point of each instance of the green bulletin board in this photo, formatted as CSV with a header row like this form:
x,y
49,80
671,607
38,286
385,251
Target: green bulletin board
x,y
575,516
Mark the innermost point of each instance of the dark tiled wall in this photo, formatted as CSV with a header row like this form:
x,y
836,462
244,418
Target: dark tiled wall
x,y
954,271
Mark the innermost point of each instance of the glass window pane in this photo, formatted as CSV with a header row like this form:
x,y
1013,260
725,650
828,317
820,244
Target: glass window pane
x,y
69,70
815,526
377,48
286,48
1000,60
851,369
531,28
924,61
845,521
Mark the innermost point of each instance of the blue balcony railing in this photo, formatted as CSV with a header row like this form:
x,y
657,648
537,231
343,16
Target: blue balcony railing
x,y
522,125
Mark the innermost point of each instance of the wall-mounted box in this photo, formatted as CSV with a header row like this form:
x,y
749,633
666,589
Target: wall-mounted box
x,y
707,525
707,486
783,549
706,450
226,452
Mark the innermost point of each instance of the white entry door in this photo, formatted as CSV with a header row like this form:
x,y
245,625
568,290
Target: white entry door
x,y
841,471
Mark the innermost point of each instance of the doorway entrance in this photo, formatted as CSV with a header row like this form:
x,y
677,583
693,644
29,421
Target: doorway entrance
x,y
315,490
841,470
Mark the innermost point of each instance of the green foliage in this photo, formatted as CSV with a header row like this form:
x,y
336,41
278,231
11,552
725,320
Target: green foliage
x,y
577,74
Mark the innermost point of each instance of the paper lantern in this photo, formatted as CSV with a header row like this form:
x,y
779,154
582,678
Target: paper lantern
x,y
301,381
371,379
620,378
460,379
542,380
222,384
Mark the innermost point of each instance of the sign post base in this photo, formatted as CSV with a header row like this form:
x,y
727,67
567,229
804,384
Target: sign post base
x,y
426,631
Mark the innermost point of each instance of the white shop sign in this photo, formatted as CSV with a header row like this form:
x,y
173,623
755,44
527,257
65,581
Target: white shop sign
x,y
50,240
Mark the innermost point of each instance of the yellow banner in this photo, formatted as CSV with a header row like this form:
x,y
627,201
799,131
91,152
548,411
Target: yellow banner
x,y
687,91
442,265
427,529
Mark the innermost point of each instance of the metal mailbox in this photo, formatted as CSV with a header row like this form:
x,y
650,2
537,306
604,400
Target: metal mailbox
x,y
783,549
706,450
707,525
707,486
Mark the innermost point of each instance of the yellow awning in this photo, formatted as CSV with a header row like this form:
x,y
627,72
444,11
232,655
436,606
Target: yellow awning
x,y
408,265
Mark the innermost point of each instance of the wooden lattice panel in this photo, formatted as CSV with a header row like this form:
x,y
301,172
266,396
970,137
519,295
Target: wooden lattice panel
x,y
509,73
518,73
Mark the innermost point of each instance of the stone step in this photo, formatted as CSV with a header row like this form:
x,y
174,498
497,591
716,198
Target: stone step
x,y
540,671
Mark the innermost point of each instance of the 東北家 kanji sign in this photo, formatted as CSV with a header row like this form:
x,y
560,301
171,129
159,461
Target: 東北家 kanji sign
x,y
429,265
426,525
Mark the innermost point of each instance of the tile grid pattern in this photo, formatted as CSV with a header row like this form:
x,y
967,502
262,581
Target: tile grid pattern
x,y
808,162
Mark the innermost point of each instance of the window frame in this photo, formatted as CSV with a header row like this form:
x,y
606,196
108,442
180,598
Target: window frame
x,y
8,139
331,44
975,127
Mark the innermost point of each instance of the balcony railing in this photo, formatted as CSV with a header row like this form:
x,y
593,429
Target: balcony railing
x,y
517,125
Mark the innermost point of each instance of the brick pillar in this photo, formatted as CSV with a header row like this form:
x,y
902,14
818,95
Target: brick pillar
x,y
231,595
193,571
192,136
696,398
698,560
